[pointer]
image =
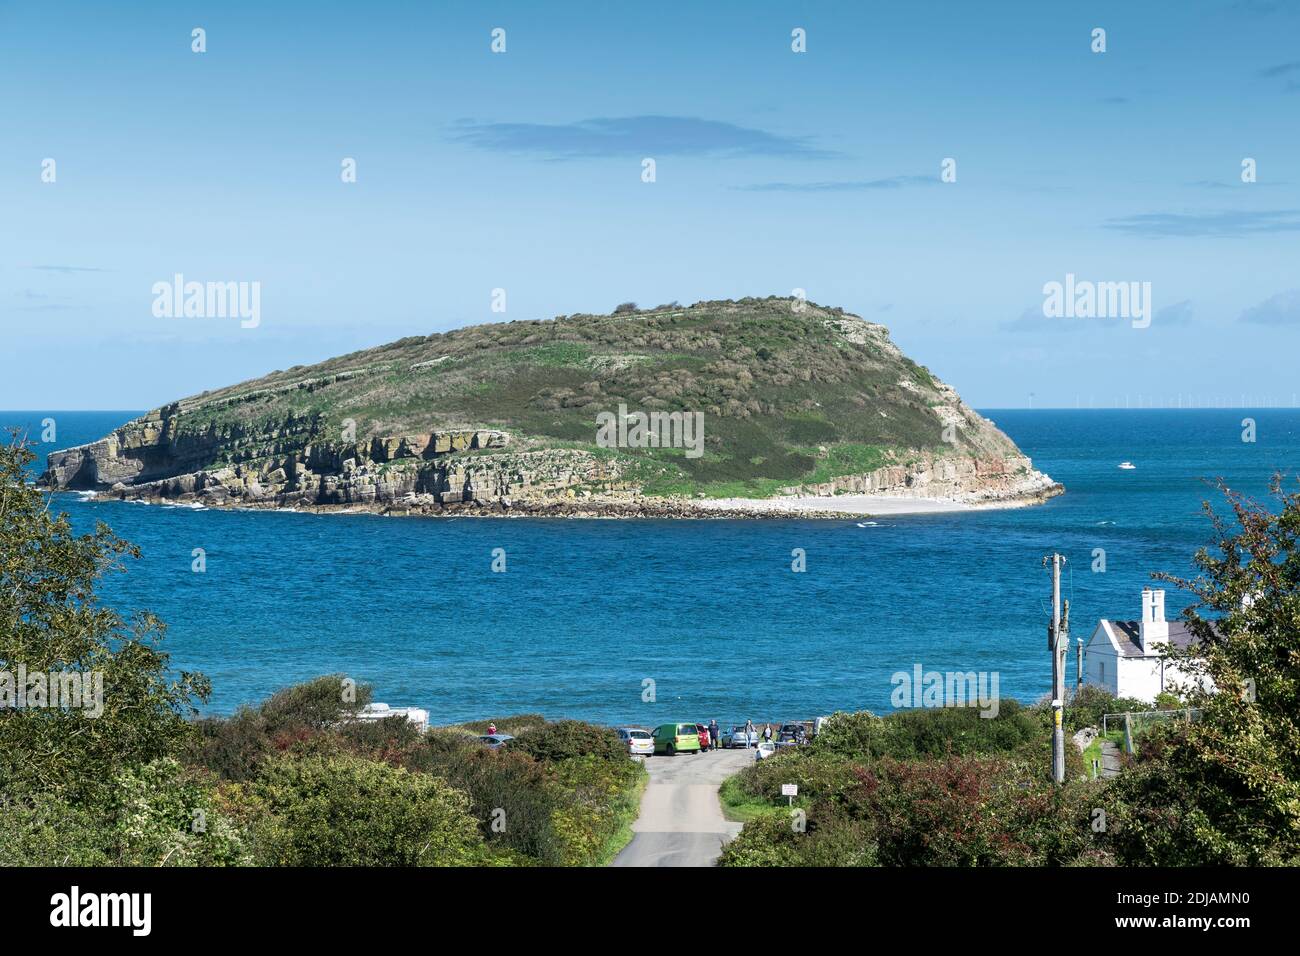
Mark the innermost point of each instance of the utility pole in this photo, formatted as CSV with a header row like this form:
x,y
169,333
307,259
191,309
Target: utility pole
x,y
1058,641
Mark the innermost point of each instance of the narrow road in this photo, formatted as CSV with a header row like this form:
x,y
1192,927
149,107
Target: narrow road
x,y
681,822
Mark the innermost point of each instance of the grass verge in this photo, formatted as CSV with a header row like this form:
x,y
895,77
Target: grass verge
x,y
1092,752
742,807
627,810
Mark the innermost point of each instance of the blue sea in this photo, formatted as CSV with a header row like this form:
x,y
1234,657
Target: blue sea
x,y
587,611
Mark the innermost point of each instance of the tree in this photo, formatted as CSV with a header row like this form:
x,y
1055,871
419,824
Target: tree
x,y
1226,789
52,622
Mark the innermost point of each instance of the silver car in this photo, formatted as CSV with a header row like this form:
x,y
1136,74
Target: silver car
x,y
737,737
638,741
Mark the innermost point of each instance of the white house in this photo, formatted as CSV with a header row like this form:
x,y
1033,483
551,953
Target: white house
x,y
1127,658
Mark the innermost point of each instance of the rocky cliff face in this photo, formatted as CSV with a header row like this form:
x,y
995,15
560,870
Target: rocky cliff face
x,y
470,469
961,479
795,399
289,464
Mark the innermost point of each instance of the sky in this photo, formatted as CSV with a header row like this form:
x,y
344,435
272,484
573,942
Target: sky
x,y
774,171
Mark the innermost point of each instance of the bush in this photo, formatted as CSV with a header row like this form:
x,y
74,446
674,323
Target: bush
x,y
566,739
933,732
850,735
820,776
600,800
233,749
773,840
159,814
511,796
436,745
346,811
164,815
315,704
971,811
385,739
35,832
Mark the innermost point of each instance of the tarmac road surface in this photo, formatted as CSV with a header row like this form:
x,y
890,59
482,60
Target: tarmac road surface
x,y
681,821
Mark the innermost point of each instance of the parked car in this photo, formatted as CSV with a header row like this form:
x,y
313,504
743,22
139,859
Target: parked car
x,y
765,750
493,741
738,737
706,739
638,741
793,733
673,739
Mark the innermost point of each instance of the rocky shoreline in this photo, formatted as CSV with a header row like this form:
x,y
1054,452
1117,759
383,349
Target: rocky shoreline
x,y
784,507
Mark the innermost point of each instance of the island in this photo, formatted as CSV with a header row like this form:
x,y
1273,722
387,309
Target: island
x,y
757,407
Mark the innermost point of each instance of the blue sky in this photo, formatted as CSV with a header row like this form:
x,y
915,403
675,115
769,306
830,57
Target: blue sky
x,y
774,171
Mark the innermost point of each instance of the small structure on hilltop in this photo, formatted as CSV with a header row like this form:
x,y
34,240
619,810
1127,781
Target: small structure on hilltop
x,y
1130,658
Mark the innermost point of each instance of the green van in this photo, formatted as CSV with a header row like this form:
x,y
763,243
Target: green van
x,y
673,739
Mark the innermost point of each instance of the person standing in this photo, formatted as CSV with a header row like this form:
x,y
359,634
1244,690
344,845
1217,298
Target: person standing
x,y
749,734
714,734
767,733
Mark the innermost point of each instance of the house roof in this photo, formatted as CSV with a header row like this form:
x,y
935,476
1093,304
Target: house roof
x,y
1126,636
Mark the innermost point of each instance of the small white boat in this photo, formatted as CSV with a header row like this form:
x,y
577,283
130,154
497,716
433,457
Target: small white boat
x,y
1127,465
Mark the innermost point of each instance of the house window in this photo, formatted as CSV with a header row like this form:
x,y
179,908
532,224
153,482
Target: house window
x,y
1101,670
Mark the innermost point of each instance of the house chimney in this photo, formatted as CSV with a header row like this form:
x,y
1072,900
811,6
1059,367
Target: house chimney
x,y
1153,633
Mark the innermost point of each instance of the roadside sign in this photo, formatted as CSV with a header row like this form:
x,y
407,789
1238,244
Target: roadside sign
x,y
789,789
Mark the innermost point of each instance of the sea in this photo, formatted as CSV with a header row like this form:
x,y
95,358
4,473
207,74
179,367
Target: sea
x,y
648,621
